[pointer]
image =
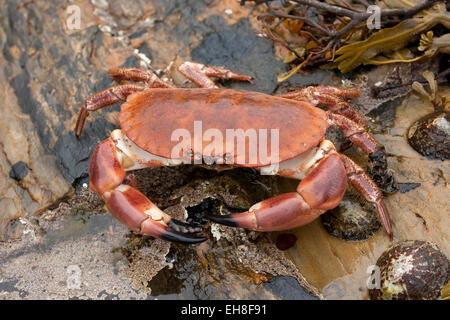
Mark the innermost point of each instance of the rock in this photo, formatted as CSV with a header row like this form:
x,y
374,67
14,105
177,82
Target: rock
x,y
384,87
242,259
287,288
84,253
49,69
80,239
237,47
407,186
19,171
430,135
353,219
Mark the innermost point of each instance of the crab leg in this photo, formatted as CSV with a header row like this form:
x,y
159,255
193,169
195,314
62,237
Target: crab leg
x,y
127,204
351,123
200,74
103,99
332,98
377,154
355,133
196,72
369,190
116,94
137,75
339,106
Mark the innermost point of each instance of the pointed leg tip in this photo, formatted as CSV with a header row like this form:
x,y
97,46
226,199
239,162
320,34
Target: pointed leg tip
x,y
384,218
390,234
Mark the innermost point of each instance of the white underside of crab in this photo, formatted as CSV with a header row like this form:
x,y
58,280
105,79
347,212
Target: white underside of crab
x,y
133,158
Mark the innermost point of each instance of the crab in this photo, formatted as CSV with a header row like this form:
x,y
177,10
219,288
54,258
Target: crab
x,y
153,109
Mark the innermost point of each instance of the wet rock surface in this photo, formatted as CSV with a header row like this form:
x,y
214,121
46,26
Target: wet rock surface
x,y
48,70
68,253
285,287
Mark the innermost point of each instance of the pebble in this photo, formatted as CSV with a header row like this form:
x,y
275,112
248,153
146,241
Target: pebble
x,y
19,171
285,241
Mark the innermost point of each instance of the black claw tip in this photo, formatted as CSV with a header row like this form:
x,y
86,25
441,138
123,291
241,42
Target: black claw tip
x,y
226,220
183,227
175,236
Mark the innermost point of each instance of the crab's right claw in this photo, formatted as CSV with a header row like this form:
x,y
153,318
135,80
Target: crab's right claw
x,y
138,213
130,206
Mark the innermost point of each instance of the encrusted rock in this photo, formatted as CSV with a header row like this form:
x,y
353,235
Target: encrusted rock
x,y
430,135
411,270
353,219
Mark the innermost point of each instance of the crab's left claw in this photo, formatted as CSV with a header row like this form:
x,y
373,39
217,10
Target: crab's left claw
x,y
321,190
283,212
315,194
